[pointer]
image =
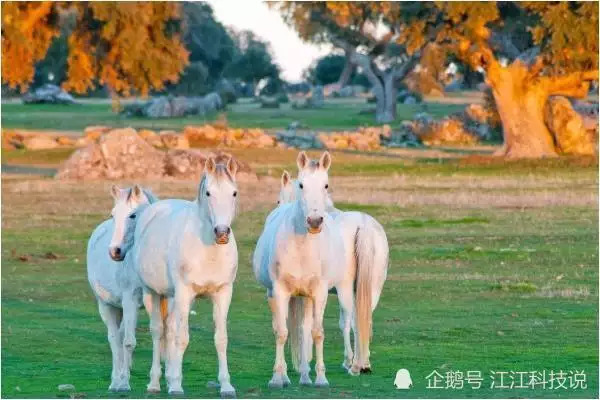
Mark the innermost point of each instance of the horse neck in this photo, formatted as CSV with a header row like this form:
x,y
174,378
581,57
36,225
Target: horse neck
x,y
298,217
202,219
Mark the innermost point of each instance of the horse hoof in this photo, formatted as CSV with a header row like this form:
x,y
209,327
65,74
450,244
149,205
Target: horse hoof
x,y
124,389
366,370
175,392
354,371
286,381
228,394
153,391
275,384
305,381
345,367
321,383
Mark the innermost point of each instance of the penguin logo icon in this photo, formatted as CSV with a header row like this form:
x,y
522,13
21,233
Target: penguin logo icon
x,y
403,380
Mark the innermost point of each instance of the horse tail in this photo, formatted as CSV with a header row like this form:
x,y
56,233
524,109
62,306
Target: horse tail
x,y
164,312
295,318
364,254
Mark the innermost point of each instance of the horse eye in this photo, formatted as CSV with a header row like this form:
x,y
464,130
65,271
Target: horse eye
x,y
234,194
278,201
132,216
327,186
301,186
207,193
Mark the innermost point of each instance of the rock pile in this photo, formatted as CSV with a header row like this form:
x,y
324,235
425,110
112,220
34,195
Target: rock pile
x,y
170,106
124,154
363,139
48,94
213,136
30,140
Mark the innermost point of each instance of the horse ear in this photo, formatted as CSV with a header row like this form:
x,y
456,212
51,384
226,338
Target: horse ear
x,y
325,161
232,167
285,179
302,160
136,192
115,192
210,166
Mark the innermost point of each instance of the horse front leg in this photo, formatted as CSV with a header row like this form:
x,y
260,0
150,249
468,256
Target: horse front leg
x,y
111,316
178,338
281,299
221,301
306,342
128,325
152,305
318,335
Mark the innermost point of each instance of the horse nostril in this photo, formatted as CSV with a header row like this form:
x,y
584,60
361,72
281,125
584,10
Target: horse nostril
x,y
117,251
215,231
228,230
320,220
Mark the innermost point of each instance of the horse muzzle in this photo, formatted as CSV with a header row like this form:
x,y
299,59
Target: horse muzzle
x,y
116,254
222,234
314,225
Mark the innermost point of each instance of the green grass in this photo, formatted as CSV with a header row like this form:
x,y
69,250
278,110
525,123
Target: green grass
x,y
483,289
337,114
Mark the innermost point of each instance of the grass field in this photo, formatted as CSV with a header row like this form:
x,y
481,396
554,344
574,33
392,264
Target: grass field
x,y
494,267
337,114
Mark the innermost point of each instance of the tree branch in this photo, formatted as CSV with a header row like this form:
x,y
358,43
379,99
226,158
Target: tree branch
x,y
575,84
400,71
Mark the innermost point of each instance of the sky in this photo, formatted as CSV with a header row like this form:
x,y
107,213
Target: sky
x,y
290,53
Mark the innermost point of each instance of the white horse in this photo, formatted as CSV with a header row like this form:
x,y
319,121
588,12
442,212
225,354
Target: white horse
x,y
299,257
183,250
367,248
114,283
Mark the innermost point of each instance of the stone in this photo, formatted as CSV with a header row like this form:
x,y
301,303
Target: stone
x,y
118,154
39,142
184,164
567,126
95,131
170,106
48,94
317,97
446,131
173,140
268,102
65,141
146,133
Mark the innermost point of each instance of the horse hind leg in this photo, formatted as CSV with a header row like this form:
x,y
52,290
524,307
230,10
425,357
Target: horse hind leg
x,y
346,299
111,316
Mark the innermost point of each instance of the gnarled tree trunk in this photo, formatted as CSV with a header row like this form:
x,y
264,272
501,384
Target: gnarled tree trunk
x,y
384,84
521,94
521,109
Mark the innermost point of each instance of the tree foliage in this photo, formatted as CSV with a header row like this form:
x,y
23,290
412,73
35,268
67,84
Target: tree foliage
x,y
253,59
125,46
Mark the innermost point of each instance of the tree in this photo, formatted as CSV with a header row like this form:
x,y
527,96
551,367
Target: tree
x,y
327,69
550,48
125,46
528,51
373,36
253,59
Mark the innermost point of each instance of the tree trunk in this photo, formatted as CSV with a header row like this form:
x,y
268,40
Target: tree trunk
x,y
521,110
346,73
386,108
